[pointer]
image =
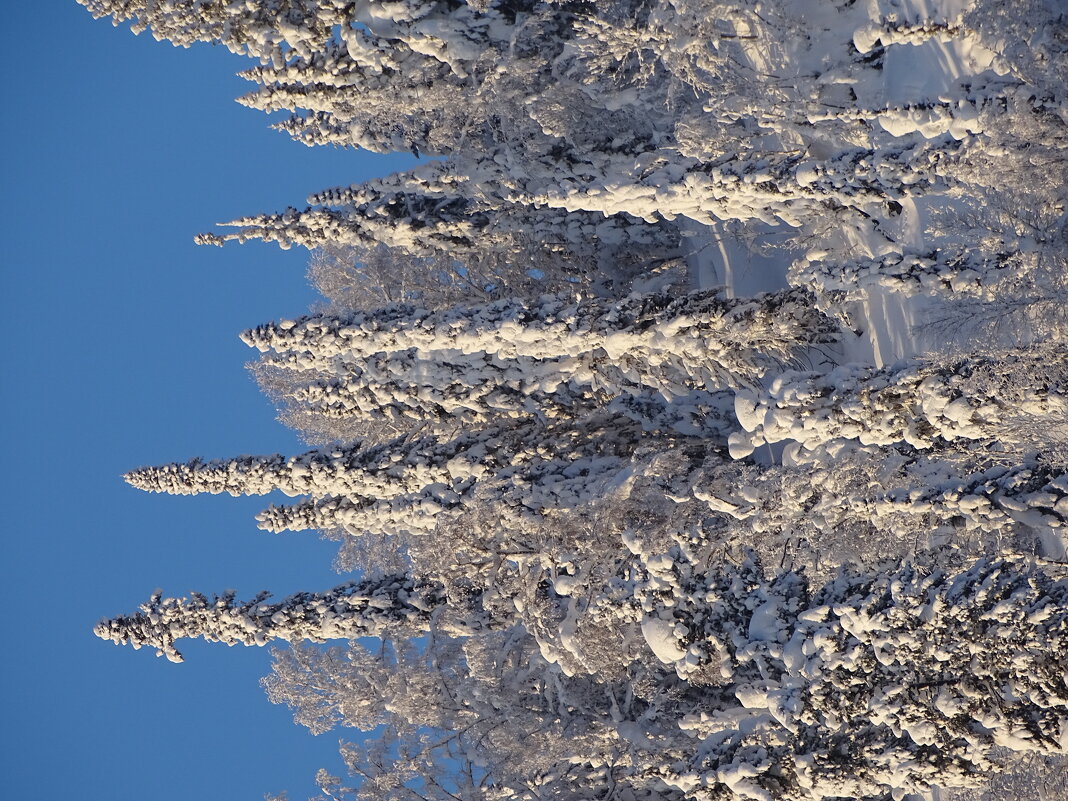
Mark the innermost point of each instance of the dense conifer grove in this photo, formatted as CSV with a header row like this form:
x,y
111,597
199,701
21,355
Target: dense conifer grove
x,y
693,418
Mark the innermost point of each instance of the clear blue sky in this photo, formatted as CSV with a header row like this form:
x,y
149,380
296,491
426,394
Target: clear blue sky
x,y
123,351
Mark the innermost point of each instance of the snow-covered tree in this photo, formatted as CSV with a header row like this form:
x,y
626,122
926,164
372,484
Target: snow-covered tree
x,y
913,720
262,30
368,608
405,484
559,110
846,503
545,358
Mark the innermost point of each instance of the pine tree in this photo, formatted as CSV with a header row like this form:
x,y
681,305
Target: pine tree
x,y
515,241
515,358
367,608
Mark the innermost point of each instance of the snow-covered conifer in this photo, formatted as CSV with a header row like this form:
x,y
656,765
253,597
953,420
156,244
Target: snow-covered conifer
x,y
710,338
404,484
397,606
853,689
494,246
258,29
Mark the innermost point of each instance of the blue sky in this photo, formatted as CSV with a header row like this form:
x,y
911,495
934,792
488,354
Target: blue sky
x,y
117,150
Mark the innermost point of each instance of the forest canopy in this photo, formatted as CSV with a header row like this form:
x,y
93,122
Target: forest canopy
x,y
692,419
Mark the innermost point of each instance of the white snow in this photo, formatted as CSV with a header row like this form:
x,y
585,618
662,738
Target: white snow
x,y
659,634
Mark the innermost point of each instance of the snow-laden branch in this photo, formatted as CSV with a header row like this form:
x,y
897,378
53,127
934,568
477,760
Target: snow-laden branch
x,y
992,500
889,32
940,272
917,402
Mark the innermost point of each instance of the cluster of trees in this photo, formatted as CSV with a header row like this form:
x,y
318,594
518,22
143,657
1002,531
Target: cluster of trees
x,y
620,532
